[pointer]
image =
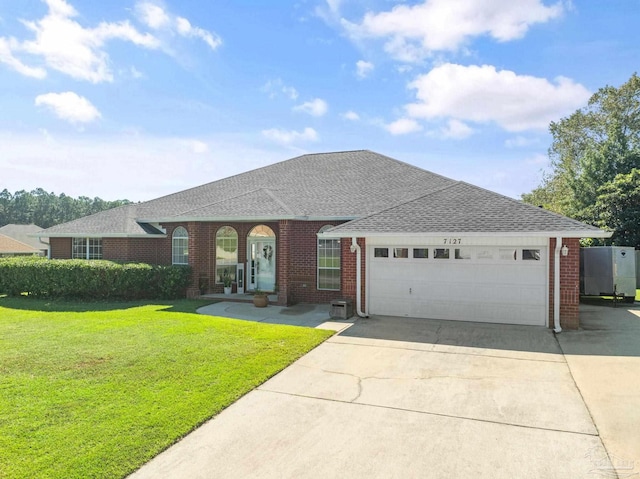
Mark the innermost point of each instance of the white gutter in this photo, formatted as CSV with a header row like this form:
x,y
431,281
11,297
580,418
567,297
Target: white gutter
x,y
556,286
48,247
355,248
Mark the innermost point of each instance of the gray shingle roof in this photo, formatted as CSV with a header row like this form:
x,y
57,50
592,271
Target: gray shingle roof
x,y
464,208
22,233
343,185
113,222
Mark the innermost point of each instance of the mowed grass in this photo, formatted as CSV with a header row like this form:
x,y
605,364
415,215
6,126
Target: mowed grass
x,y
95,390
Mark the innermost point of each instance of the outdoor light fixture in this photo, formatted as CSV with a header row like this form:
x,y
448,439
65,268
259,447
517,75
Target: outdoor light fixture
x,y
565,250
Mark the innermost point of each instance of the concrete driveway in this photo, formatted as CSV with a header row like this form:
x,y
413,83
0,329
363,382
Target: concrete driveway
x,y
398,397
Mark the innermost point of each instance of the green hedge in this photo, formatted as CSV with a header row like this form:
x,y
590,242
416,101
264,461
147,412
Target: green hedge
x,y
97,279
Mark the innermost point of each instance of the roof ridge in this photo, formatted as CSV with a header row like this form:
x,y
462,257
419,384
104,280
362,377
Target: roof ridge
x,y
528,205
279,201
216,202
396,205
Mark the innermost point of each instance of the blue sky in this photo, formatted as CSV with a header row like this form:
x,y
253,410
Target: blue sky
x,y
137,99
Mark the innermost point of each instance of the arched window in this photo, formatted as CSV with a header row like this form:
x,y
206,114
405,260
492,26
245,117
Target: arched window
x,y
226,253
261,231
180,246
328,262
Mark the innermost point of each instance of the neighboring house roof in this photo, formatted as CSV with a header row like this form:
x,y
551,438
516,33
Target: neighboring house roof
x,y
12,246
23,234
465,208
353,185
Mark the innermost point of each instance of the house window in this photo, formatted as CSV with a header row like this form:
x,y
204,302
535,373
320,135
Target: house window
x,y
381,252
441,253
180,246
86,248
226,253
400,252
531,254
421,253
328,262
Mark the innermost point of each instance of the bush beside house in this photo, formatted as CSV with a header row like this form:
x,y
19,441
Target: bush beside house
x,y
97,279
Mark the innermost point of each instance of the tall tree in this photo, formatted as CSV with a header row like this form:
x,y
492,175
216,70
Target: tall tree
x,y
590,148
48,209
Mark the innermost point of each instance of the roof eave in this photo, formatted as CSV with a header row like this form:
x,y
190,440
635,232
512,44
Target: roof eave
x,y
99,235
244,219
509,234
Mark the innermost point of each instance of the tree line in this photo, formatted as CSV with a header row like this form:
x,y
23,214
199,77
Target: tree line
x,y
595,164
48,209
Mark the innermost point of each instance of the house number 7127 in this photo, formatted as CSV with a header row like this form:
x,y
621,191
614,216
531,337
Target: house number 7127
x,y
453,241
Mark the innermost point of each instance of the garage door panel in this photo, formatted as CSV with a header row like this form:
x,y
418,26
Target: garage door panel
x,y
502,291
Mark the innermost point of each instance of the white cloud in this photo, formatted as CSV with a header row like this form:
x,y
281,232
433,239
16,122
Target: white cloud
x,y
413,32
187,30
69,106
315,107
364,68
483,94
351,115
7,57
403,126
457,130
157,18
152,15
63,44
66,46
274,87
287,137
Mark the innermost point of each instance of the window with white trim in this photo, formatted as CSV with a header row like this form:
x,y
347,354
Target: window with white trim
x,y
328,262
180,246
86,248
226,253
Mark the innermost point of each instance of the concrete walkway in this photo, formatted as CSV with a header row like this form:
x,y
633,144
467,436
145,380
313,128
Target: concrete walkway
x,y
604,359
400,397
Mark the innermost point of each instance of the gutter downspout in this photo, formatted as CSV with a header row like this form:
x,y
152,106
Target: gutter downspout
x,y
556,286
355,248
48,246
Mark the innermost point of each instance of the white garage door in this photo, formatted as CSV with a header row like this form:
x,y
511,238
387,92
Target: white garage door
x,y
488,284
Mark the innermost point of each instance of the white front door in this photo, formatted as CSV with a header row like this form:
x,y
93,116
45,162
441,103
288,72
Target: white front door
x,y
262,263
488,284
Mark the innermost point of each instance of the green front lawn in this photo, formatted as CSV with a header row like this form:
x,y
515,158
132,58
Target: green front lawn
x,y
95,390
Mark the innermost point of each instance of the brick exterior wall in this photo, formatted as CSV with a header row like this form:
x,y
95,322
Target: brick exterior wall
x,y
296,262
60,248
569,284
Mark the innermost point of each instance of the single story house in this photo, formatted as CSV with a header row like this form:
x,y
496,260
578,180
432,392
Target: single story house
x,y
24,234
12,247
393,238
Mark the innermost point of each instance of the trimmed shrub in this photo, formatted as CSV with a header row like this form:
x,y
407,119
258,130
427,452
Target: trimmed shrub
x,y
95,279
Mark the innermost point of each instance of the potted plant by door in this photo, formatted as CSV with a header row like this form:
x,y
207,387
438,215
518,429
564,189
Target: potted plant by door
x,y
226,281
260,299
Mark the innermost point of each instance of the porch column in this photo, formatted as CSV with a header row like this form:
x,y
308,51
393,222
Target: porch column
x,y
283,243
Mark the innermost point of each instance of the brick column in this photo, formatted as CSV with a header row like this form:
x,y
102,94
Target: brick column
x,y
569,284
283,264
349,271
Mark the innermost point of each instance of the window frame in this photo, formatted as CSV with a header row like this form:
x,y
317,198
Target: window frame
x,y
182,242
325,245
86,248
224,264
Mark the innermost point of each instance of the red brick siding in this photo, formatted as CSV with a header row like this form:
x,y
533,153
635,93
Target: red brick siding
x,y
60,248
349,265
569,284
302,281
